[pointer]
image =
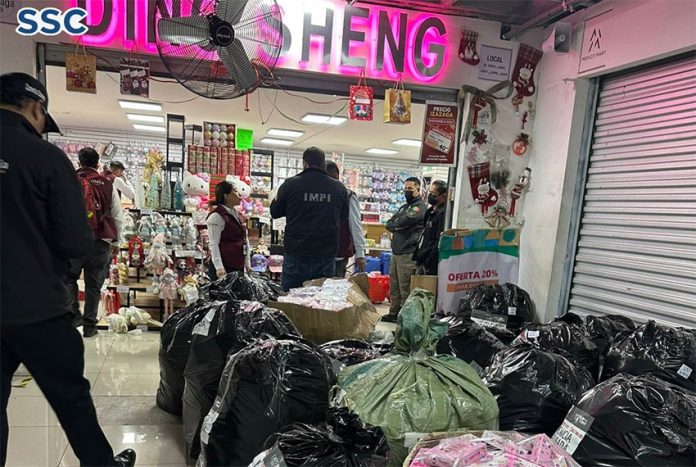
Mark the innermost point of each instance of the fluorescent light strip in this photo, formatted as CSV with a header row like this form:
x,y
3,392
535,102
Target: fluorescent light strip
x,y
383,152
136,105
285,133
277,142
324,119
156,129
408,142
145,118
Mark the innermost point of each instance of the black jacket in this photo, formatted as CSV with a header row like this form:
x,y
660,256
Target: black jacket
x,y
406,226
43,223
314,206
426,254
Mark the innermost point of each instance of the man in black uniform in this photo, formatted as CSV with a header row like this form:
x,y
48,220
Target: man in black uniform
x,y
426,255
406,227
314,206
43,223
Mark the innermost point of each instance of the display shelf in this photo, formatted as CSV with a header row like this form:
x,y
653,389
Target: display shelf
x,y
164,212
261,174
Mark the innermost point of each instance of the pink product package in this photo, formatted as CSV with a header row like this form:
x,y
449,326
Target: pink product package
x,y
439,456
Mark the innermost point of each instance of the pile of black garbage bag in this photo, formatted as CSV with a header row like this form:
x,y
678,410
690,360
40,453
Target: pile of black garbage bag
x,y
501,309
175,344
341,441
265,386
350,352
632,420
242,286
470,342
534,388
227,328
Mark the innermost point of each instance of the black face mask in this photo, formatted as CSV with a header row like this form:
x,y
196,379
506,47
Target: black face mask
x,y
409,196
432,200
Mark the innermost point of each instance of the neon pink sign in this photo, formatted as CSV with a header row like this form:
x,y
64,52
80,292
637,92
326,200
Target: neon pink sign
x,y
323,36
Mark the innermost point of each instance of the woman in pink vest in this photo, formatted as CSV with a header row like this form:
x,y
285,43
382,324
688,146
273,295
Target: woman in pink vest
x,y
229,249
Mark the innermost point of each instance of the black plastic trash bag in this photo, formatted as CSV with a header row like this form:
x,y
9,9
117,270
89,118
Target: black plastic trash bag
x,y
501,309
175,344
534,388
228,327
653,349
265,387
571,338
603,330
342,441
632,420
470,342
350,351
242,286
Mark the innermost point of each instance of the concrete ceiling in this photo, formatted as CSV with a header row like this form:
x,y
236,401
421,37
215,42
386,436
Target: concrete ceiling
x,y
102,111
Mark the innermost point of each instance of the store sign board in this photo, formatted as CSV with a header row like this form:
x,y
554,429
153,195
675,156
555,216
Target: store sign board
x,y
245,139
324,36
495,63
439,134
594,54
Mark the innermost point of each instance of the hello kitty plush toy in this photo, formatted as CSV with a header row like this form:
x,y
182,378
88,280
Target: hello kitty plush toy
x,y
241,187
196,187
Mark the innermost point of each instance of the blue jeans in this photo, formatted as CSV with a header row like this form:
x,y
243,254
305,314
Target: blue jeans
x,y
298,269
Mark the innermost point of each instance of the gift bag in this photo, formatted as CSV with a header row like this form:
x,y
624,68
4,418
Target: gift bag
x,y
81,72
361,104
397,104
135,77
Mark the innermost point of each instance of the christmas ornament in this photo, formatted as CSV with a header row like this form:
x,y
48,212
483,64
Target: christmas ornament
x,y
521,144
467,47
480,137
519,188
523,74
498,218
486,196
136,254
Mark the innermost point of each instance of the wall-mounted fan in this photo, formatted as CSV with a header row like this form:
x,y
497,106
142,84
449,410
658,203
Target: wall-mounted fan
x,y
224,48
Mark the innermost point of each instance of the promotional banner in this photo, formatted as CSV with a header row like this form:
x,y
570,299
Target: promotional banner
x,y
439,134
472,257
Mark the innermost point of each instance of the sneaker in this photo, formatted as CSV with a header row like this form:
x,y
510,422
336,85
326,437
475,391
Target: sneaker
x,y
125,458
89,332
389,318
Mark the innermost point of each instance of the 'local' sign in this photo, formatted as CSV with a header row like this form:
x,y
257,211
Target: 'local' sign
x,y
325,36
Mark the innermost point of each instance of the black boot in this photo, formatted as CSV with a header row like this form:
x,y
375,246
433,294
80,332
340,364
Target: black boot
x,y
125,458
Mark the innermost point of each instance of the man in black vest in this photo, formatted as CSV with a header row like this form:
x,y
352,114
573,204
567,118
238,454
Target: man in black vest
x,y
43,223
314,206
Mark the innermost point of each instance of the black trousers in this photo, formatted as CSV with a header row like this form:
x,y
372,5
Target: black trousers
x,y
96,267
54,354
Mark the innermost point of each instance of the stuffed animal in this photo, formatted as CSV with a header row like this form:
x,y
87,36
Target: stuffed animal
x,y
196,187
157,259
176,231
128,226
190,234
487,196
241,187
145,231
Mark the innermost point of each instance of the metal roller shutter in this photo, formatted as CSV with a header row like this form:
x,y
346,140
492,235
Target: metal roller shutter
x,y
636,252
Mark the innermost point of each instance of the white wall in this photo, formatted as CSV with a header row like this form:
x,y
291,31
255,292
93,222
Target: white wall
x,y
16,52
635,32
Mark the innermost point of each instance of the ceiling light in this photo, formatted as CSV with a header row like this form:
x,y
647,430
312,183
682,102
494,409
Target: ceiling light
x,y
323,119
384,152
156,129
136,105
416,143
277,142
145,118
285,133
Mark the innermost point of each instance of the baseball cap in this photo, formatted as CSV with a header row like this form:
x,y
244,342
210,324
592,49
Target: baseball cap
x,y
275,263
21,84
259,263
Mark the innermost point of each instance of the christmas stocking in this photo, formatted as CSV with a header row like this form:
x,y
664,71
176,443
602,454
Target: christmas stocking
x,y
467,47
477,173
523,74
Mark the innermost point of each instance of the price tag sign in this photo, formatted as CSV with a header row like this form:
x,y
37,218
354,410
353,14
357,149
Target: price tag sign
x,y
512,311
146,211
151,290
123,289
684,371
185,253
573,429
532,334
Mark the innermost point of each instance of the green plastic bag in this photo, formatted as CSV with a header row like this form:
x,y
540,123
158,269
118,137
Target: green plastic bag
x,y
413,391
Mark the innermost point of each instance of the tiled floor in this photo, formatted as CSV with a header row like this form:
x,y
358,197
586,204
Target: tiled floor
x,y
124,373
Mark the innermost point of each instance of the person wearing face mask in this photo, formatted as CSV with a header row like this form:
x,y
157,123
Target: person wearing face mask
x,y
406,227
43,224
229,247
426,255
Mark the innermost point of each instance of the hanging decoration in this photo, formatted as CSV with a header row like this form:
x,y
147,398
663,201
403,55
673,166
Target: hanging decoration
x,y
480,137
498,218
520,187
135,77
523,74
81,71
361,102
521,144
467,47
397,104
486,196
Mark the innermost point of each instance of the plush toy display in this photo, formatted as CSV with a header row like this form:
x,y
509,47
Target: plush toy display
x,y
135,252
168,291
128,226
145,231
157,259
196,187
190,234
176,231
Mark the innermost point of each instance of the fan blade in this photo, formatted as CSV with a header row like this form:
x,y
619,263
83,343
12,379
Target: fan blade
x,y
232,10
238,65
185,31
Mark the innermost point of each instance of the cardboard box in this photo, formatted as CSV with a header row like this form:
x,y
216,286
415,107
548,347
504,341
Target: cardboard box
x,y
428,283
320,326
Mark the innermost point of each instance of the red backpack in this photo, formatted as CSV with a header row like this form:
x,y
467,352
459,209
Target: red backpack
x,y
93,202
